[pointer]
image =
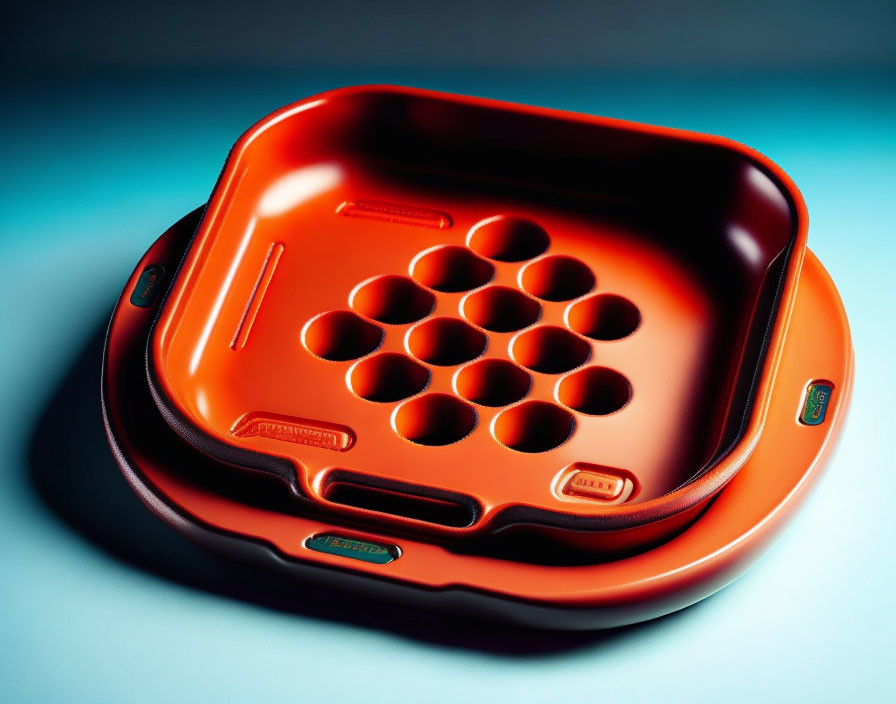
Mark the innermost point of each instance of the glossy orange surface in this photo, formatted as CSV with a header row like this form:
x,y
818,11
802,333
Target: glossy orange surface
x,y
471,298
736,528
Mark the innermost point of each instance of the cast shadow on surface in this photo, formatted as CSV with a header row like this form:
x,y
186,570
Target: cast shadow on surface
x,y
73,472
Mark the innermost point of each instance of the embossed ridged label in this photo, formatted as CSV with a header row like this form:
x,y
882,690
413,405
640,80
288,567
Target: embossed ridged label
x,y
595,485
395,213
300,431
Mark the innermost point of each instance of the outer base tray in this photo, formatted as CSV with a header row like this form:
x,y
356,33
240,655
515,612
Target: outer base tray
x,y
734,531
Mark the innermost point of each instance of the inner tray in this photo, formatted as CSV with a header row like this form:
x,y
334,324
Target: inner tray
x,y
442,309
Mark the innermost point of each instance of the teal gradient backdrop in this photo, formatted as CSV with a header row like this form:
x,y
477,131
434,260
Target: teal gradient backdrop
x,y
101,603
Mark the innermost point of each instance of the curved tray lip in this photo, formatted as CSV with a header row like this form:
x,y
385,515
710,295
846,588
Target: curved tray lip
x,y
700,488
674,585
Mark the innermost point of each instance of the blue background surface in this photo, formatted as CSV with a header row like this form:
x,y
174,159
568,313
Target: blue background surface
x,y
99,602
116,119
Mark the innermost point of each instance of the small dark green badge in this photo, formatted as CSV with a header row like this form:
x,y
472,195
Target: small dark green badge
x,y
818,395
147,287
352,547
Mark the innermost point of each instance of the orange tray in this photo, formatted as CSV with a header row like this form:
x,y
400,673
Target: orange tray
x,y
254,517
463,318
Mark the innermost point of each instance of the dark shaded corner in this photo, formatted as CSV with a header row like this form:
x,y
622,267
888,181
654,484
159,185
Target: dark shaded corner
x,y
72,470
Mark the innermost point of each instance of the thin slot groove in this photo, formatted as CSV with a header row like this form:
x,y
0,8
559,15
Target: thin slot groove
x,y
255,298
429,509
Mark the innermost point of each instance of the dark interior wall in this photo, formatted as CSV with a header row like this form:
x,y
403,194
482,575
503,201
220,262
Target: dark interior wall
x,y
117,34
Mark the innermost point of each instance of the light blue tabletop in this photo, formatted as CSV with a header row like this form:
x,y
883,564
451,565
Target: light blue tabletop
x,y
100,602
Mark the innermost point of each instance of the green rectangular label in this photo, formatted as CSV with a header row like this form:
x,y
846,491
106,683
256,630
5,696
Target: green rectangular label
x,y
147,287
365,550
818,395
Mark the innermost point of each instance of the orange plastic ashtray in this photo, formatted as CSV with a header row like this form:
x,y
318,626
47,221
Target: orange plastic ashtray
x,y
484,349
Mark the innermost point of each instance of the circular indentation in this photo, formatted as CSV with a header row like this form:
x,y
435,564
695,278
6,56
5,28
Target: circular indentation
x,y
549,349
604,317
500,309
557,278
596,391
392,299
508,239
341,335
387,377
434,419
492,382
533,426
446,341
451,269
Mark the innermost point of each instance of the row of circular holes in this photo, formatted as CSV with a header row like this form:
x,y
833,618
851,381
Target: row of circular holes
x,y
390,377
532,426
342,335
440,419
437,419
453,269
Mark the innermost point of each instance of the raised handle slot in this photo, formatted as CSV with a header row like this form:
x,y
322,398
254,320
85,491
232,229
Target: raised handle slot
x,y
416,503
